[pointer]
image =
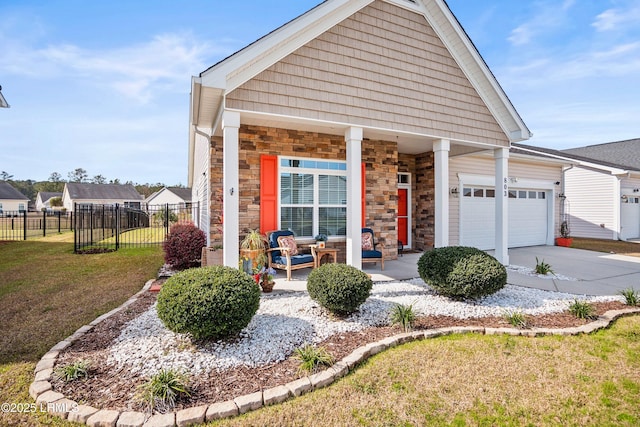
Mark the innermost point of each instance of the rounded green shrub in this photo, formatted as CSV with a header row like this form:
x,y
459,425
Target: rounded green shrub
x,y
461,272
339,288
209,302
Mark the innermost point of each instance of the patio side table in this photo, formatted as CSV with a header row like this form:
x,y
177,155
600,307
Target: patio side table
x,y
319,253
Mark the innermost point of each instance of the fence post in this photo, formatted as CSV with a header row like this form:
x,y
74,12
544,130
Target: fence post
x,y
59,222
166,220
44,223
24,223
75,229
117,226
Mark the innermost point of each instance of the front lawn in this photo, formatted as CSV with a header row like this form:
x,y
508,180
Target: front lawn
x,y
471,380
46,293
609,246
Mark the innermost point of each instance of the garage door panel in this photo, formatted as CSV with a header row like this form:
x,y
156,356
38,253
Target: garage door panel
x,y
630,218
528,218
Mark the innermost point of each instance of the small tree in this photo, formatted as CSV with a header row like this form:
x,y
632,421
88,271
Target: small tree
x,y
55,202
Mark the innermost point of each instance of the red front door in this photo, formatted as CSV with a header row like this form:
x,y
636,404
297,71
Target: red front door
x,y
403,216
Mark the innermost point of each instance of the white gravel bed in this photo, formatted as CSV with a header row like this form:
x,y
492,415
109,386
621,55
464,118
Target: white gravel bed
x,y
531,272
286,321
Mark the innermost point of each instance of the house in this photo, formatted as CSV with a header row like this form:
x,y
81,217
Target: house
x,y
11,200
43,200
180,197
100,194
361,112
603,191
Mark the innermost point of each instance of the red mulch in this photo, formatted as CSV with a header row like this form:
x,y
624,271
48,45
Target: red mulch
x,y
112,388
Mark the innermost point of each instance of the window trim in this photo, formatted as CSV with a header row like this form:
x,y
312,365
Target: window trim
x,y
316,172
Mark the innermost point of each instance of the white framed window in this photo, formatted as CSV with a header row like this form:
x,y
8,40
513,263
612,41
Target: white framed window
x,y
313,196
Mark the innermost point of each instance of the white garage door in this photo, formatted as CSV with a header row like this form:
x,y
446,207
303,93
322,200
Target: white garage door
x,y
630,218
528,217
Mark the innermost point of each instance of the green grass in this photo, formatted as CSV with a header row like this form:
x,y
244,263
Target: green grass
x,y
471,380
46,293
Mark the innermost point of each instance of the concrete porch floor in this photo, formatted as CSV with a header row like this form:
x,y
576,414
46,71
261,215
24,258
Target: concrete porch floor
x,y
596,273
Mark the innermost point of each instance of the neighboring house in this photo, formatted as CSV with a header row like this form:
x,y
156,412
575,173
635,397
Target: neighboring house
x,y
179,197
363,112
11,200
100,194
43,200
604,191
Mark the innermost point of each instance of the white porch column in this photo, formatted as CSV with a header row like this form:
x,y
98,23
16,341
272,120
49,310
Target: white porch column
x,y
501,156
441,168
230,184
353,138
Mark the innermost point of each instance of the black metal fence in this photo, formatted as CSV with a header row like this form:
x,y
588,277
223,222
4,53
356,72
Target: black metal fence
x,y
22,225
99,228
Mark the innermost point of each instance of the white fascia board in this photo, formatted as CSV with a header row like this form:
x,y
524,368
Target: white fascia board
x,y
473,66
257,57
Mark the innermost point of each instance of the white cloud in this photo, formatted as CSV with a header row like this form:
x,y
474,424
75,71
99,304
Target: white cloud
x,y
137,72
617,18
546,17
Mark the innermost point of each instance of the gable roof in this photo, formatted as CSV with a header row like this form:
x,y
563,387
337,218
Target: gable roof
x,y
248,62
183,192
210,88
47,195
88,191
623,154
7,192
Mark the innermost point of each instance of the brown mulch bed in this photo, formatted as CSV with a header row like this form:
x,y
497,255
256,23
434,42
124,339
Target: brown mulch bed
x,y
108,387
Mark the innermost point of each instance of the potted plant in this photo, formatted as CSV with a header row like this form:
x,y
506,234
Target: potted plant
x,y
265,277
321,240
565,235
252,247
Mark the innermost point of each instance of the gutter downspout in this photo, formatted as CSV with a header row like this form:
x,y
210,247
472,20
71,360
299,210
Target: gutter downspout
x,y
563,213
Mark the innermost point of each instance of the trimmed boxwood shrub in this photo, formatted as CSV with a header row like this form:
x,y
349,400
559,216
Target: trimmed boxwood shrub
x,y
461,272
209,302
183,246
339,288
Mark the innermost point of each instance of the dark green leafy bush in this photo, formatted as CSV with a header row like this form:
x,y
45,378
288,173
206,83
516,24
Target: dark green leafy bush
x,y
339,288
209,302
183,246
461,272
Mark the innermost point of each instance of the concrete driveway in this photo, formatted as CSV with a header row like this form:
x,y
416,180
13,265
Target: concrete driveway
x,y
596,273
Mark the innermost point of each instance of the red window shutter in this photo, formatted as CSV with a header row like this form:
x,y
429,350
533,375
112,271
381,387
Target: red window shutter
x,y
268,193
364,195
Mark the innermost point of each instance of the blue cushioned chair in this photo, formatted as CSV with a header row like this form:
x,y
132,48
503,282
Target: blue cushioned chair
x,y
372,255
281,258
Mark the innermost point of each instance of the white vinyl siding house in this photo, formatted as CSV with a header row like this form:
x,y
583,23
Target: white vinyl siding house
x,y
100,194
11,200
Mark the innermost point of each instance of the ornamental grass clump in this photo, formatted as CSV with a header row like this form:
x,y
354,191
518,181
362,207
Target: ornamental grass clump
x,y
404,316
543,268
582,310
73,371
163,389
339,288
631,296
312,358
183,246
516,318
208,303
462,273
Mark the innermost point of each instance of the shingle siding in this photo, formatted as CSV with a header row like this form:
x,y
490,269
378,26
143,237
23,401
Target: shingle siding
x,y
383,67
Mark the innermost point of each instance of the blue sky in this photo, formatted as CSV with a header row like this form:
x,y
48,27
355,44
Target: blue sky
x,y
104,86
